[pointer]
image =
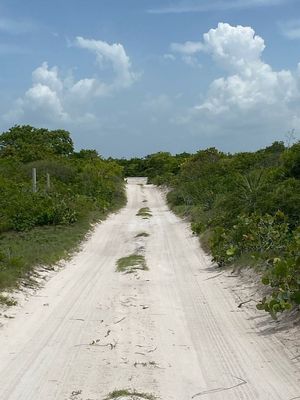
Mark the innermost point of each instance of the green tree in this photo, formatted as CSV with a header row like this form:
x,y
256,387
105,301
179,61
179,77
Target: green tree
x,y
27,143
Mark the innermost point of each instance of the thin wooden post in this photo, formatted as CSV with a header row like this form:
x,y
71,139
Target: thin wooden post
x,y
34,186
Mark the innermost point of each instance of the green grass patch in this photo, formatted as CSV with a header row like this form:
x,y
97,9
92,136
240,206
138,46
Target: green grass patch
x,y
132,263
133,395
142,234
7,301
144,212
21,252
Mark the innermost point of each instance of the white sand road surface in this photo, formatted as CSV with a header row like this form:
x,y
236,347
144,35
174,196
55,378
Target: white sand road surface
x,y
174,331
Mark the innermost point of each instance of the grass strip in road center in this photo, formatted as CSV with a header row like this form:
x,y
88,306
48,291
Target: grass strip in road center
x,y
142,234
130,395
144,212
132,263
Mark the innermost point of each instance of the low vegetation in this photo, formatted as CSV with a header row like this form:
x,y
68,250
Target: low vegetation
x,y
157,167
132,263
6,300
245,207
144,212
142,234
42,223
131,394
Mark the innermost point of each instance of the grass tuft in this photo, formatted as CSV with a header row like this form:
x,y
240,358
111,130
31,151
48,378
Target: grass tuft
x,y
134,395
144,212
132,263
142,234
7,301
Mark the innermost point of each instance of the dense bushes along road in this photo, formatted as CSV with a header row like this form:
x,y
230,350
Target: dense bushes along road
x,y
245,207
41,227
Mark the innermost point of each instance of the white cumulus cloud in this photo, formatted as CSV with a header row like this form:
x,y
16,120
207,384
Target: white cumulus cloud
x,y
48,77
55,98
187,48
115,55
188,51
232,47
42,98
250,93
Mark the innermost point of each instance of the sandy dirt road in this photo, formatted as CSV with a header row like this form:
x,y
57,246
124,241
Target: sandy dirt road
x,y
174,331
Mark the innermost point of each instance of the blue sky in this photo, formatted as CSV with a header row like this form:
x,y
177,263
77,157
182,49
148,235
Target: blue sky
x,y
132,77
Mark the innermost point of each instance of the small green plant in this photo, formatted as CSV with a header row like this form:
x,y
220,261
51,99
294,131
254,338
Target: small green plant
x,y
142,234
7,301
249,186
132,394
131,264
144,212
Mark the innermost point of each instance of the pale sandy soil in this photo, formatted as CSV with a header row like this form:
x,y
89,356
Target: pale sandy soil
x,y
174,331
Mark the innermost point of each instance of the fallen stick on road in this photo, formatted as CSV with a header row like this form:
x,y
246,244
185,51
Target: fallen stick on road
x,y
120,320
242,382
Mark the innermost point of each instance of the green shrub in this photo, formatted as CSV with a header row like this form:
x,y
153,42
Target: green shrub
x,y
283,275
262,237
